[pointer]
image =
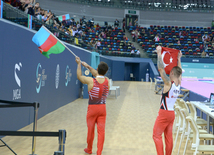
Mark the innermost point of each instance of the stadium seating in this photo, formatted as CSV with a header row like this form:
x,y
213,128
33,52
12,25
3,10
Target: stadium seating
x,y
113,45
189,44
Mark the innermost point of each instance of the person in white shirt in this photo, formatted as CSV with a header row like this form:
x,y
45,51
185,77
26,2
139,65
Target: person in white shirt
x,y
157,38
138,52
132,51
74,31
98,44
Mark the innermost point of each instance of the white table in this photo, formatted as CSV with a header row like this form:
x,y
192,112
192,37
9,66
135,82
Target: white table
x,y
207,110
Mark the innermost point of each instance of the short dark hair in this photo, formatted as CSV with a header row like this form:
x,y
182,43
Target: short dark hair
x,y
102,68
177,71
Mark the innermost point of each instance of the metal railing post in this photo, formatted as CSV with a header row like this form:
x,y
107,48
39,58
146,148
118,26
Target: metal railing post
x,y
36,106
62,137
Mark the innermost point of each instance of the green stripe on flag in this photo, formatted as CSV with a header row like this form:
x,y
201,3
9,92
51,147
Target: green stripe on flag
x,y
60,18
56,49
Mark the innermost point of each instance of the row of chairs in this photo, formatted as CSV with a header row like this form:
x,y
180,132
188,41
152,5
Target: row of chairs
x,y
190,127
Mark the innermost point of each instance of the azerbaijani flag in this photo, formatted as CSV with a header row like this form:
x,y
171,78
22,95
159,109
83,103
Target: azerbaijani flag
x,y
47,42
64,17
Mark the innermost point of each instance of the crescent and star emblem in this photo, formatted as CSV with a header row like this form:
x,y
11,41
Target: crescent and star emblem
x,y
170,60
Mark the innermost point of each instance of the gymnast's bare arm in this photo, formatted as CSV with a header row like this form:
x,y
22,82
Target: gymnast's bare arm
x,y
165,78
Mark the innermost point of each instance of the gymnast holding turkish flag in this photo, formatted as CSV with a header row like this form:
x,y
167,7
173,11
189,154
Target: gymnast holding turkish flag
x,y
169,62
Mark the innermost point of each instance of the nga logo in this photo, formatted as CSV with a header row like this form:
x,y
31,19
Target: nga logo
x,y
68,75
40,77
57,76
17,92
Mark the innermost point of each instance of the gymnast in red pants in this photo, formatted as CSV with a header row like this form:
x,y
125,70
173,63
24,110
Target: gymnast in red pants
x,y
98,89
166,115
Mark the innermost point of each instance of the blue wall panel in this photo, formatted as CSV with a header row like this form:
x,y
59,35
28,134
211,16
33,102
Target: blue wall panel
x,y
20,56
118,70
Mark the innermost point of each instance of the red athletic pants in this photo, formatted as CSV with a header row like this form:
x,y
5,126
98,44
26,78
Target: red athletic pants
x,y
96,114
164,124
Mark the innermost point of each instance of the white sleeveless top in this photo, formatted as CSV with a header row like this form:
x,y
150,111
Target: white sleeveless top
x,y
168,99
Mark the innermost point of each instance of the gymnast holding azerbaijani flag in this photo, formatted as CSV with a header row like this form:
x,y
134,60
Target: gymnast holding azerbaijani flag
x,y
98,87
171,90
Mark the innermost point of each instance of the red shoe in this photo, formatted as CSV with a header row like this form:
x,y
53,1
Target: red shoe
x,y
86,151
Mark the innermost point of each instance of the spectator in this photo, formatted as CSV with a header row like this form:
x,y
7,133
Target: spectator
x,y
203,54
80,32
159,35
45,16
83,19
181,34
116,23
136,22
98,44
37,11
67,32
78,25
156,38
136,34
201,47
74,22
91,43
130,23
138,52
23,5
133,35
125,38
132,46
124,26
102,35
204,38
74,31
179,42
29,10
36,8
50,19
211,38
132,51
207,55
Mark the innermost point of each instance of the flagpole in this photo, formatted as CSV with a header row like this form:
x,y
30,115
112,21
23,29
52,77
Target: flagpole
x,y
59,41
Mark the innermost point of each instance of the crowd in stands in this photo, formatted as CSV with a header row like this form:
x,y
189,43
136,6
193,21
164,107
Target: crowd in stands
x,y
106,39
192,41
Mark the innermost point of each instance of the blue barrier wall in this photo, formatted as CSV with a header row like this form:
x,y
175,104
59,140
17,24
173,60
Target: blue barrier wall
x,y
123,66
28,76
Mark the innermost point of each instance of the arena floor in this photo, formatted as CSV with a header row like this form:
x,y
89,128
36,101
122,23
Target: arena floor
x,y
129,125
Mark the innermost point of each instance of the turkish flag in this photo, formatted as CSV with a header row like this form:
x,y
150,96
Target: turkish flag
x,y
170,58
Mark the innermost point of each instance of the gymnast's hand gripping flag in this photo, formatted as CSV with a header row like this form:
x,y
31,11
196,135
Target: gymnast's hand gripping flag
x,y
170,58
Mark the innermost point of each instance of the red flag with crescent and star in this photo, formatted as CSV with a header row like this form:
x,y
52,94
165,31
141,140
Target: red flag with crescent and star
x,y
170,58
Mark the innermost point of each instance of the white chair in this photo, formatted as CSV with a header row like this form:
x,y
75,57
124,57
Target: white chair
x,y
193,113
196,136
180,126
114,88
182,111
150,80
